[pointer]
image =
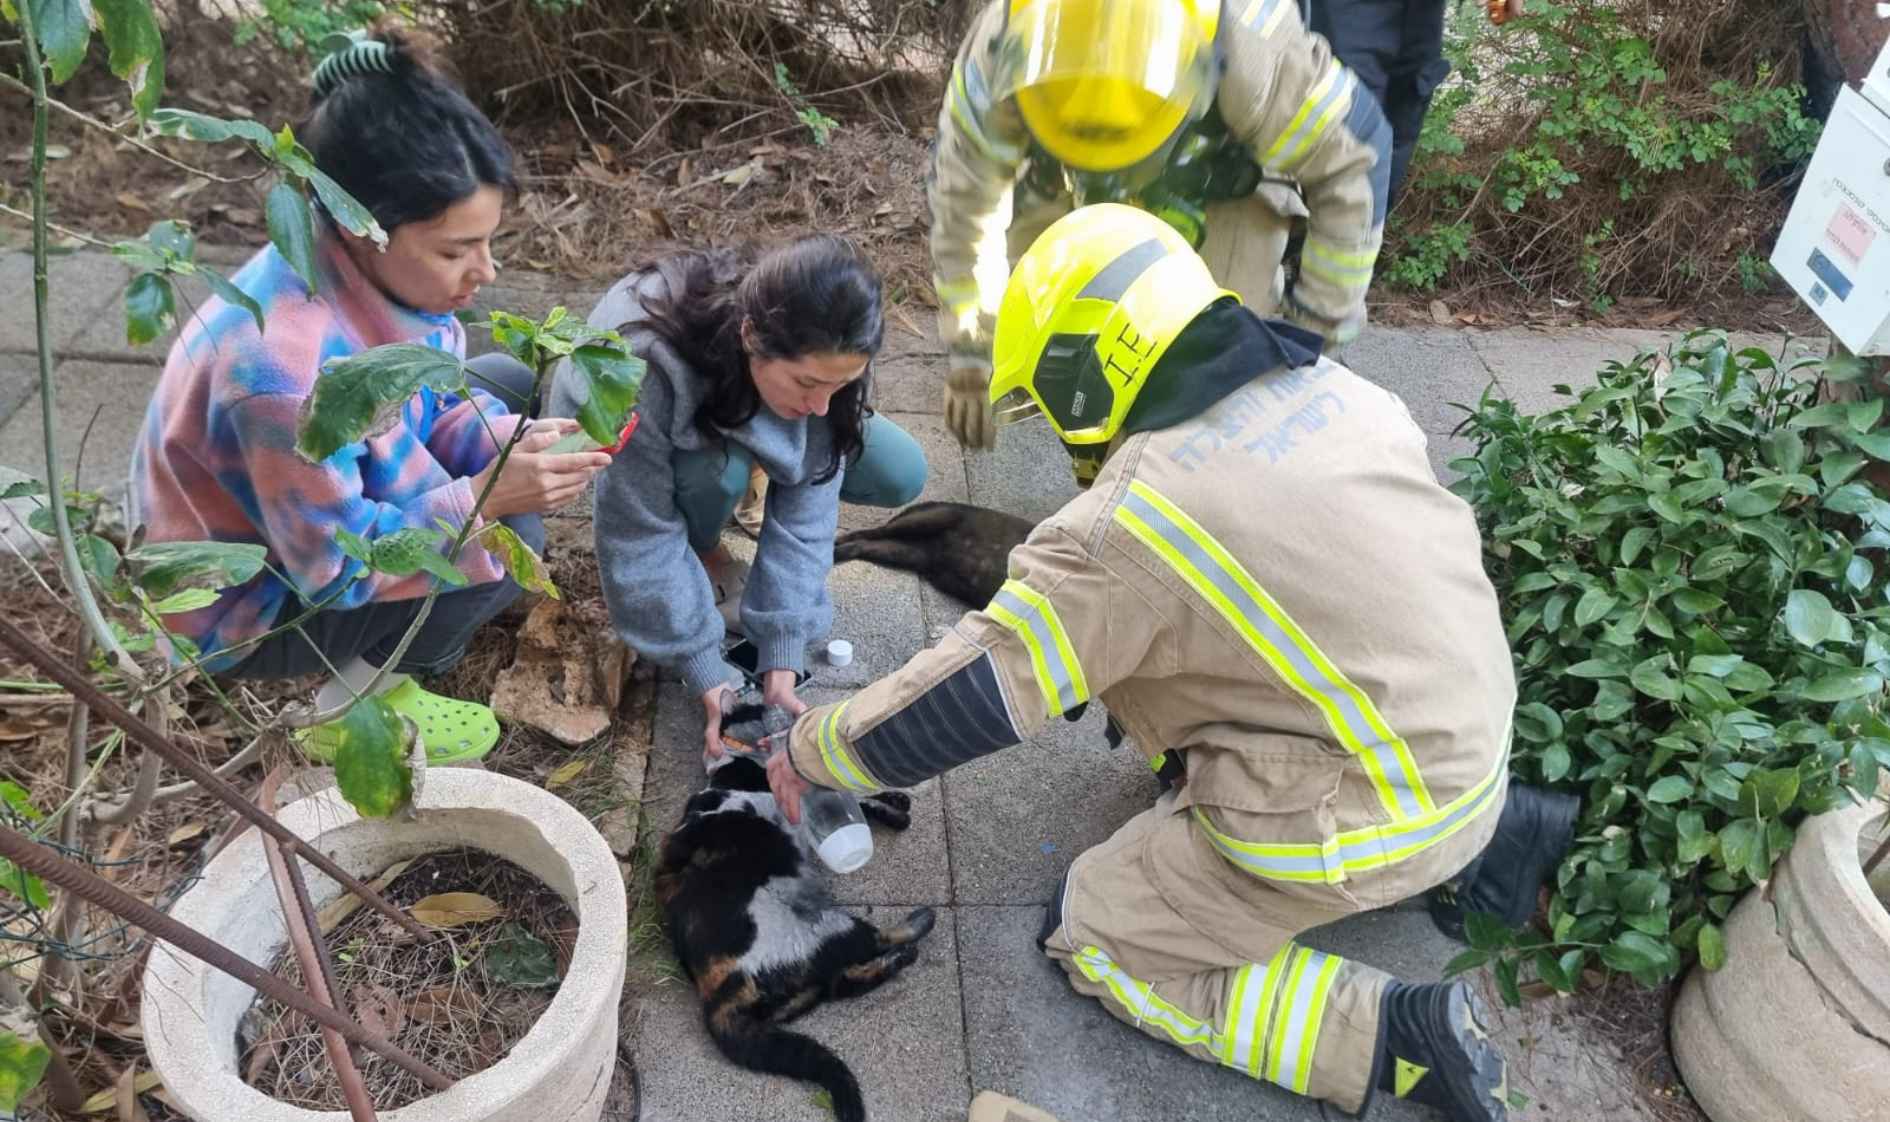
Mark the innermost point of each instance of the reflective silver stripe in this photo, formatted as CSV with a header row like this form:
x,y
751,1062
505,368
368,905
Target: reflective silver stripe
x,y
1311,120
1262,14
1307,996
1282,650
1030,614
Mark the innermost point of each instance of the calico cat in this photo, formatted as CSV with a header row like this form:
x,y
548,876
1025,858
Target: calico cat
x,y
756,930
959,549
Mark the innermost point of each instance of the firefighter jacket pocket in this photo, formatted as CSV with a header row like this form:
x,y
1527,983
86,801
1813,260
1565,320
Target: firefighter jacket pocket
x,y
1273,816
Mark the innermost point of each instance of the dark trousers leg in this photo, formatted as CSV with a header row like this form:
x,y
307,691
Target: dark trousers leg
x,y
1396,47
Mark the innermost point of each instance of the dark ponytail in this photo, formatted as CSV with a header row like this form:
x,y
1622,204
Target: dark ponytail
x,y
817,295
393,128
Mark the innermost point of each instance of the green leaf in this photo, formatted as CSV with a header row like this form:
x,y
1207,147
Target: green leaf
x,y
150,308
188,600
137,49
1712,944
1862,415
62,31
1749,502
1769,792
1844,686
23,885
1594,604
1821,416
517,958
1634,951
98,557
16,484
162,568
21,803
1618,461
612,378
292,229
1670,789
40,519
1809,617
526,567
1785,449
356,546
1633,542
22,1062
1714,666
1506,987
343,208
1556,761
370,745
190,125
234,296
1549,969
362,395
1465,960
1665,504
1597,668
1737,842
1650,678
1697,602
406,552
1486,931
1748,678
1876,445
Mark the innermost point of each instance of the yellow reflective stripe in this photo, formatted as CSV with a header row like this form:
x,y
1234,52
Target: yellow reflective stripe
x,y
959,98
1266,14
1140,999
1281,1027
1322,105
1356,851
1217,578
1248,1010
1034,619
1156,761
1306,1008
834,754
958,296
1347,269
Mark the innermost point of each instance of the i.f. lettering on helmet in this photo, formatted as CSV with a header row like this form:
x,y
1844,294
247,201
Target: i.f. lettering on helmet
x,y
1090,309
1103,84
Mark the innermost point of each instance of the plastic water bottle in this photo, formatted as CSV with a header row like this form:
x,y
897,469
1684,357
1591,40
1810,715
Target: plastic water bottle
x,y
831,820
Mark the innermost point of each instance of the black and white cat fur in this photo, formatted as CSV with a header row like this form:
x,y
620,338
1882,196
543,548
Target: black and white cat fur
x,y
961,550
757,931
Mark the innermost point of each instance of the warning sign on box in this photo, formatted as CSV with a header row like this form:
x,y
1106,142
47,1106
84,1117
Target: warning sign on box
x,y
1849,234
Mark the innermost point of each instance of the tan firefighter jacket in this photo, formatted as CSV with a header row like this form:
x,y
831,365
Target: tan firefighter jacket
x,y
1280,591
1300,114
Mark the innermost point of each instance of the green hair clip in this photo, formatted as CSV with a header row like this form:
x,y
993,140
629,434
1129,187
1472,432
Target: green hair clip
x,y
350,55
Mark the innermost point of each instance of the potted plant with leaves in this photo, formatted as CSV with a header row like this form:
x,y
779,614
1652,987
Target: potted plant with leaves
x,y
1688,555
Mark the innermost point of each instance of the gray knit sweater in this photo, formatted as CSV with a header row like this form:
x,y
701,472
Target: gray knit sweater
x,y
659,597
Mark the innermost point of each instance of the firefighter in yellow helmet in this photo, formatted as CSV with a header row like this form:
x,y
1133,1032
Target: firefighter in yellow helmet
x,y
1228,120
1289,617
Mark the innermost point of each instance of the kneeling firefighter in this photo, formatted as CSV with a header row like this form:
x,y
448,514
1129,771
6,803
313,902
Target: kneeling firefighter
x,y
1276,600
1229,120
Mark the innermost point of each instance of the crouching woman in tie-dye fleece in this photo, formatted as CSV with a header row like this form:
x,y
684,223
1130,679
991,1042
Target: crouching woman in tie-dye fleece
x,y
216,458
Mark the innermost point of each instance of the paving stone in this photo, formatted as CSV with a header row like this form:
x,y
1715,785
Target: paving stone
x,y
908,867
104,338
118,392
1018,817
909,374
82,288
19,378
1031,1036
1027,474
944,474
905,1043
879,612
1432,371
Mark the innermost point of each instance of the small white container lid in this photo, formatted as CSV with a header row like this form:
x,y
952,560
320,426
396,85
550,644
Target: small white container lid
x,y
847,848
839,652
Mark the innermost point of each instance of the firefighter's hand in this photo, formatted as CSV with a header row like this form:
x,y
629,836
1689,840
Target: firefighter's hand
x,y
968,411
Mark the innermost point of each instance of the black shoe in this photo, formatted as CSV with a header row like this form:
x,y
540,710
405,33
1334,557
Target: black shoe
x,y
1434,1049
1053,912
1535,830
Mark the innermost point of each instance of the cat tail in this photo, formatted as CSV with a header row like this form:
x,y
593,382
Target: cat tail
x,y
767,1048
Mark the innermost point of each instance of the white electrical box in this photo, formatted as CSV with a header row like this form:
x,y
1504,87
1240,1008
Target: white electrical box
x,y
1835,247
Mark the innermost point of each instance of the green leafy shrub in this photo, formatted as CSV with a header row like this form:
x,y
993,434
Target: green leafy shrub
x,y
1686,560
1678,121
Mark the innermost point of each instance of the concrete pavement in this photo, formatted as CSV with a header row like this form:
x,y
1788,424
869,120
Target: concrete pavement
x,y
982,1010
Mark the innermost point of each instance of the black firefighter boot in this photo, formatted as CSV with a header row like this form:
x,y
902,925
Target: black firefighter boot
x,y
1534,831
1434,1049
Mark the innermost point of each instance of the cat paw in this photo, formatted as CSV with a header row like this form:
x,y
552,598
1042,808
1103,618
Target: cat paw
x,y
919,923
897,800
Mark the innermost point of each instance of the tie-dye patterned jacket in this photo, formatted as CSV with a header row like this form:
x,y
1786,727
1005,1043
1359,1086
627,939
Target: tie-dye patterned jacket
x,y
216,459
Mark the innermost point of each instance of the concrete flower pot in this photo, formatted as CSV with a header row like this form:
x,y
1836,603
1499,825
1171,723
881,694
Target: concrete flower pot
x,y
1796,1025
559,1072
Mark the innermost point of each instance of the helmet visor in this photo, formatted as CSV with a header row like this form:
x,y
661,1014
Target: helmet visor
x,y
1104,84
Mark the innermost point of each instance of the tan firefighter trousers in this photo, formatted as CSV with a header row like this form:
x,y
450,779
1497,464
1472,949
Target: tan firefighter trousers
x,y
1151,929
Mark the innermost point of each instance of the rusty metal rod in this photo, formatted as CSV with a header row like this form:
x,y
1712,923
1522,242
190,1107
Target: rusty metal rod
x,y
305,935
91,887
90,695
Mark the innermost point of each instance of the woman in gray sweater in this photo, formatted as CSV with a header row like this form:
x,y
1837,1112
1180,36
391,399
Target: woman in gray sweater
x,y
754,361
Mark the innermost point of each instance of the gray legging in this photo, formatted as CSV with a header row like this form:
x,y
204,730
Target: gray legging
x,y
373,631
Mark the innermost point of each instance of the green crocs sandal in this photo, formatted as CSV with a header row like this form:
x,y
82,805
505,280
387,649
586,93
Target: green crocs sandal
x,y
452,730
